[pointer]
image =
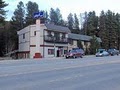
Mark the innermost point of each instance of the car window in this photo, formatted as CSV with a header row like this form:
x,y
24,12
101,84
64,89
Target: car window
x,y
101,51
72,51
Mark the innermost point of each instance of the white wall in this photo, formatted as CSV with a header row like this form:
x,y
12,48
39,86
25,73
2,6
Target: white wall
x,y
24,42
33,39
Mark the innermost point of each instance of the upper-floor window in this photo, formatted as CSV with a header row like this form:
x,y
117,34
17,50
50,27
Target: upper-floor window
x,y
24,36
63,36
57,35
49,33
34,33
71,41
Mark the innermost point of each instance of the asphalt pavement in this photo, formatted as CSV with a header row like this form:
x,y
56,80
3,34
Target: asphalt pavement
x,y
87,73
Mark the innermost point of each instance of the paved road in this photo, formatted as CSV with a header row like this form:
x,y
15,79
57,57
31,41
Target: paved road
x,y
88,73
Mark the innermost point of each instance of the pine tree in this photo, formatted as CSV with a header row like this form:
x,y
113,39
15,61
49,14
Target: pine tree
x,y
94,45
2,12
76,25
2,27
70,22
92,24
83,21
17,23
56,17
18,20
111,27
32,7
103,31
118,30
79,44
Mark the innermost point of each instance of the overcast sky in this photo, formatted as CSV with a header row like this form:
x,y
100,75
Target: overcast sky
x,y
67,6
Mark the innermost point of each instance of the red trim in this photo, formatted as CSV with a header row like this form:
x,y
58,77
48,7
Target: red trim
x,y
46,46
32,45
24,52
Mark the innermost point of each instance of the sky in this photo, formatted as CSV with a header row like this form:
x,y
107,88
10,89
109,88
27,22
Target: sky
x,y
68,6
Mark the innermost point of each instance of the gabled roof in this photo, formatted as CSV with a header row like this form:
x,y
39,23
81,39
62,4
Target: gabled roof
x,y
81,37
52,27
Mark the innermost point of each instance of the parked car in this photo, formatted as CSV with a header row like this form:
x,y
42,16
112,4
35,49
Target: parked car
x,y
74,54
102,53
113,52
80,50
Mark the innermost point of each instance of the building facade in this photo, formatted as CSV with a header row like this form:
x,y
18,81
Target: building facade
x,y
48,40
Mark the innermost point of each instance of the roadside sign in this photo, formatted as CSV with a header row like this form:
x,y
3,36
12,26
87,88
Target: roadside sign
x,y
39,14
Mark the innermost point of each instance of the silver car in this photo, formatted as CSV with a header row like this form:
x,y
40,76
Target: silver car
x,y
102,53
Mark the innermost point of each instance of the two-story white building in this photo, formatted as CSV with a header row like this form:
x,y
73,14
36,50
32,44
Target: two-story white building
x,y
42,40
48,40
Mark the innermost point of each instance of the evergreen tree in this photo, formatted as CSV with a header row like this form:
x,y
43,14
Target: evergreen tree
x,y
2,12
17,23
76,25
118,30
59,16
111,27
47,20
103,31
70,22
84,23
79,44
56,17
32,7
18,20
2,27
94,45
92,24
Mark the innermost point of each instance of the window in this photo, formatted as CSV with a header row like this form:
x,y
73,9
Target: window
x,y
34,33
49,34
63,36
57,35
50,51
24,36
71,41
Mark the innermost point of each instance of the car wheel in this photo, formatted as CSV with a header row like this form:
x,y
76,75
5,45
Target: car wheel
x,y
81,56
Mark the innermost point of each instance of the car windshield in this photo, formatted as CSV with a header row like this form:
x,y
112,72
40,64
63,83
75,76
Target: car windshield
x,y
101,51
111,49
72,51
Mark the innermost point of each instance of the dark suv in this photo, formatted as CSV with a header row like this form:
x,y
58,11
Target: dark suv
x,y
113,52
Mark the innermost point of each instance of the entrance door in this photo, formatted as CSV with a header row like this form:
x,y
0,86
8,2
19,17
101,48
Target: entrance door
x,y
58,54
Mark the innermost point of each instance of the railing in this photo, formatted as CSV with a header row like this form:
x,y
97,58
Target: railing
x,y
55,39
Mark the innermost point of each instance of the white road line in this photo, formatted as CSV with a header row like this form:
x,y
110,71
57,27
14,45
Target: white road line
x,y
65,78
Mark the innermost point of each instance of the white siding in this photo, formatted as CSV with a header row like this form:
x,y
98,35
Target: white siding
x,y
24,42
32,52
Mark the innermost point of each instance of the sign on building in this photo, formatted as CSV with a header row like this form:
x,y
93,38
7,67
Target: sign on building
x,y
39,14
